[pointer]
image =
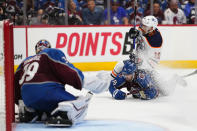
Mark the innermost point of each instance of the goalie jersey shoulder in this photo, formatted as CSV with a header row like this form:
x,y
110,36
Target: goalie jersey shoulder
x,y
154,40
55,54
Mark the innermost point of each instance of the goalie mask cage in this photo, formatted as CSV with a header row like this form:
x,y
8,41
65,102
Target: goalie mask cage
x,y
6,76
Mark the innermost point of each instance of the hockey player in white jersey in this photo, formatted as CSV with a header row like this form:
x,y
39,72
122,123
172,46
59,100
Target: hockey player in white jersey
x,y
148,45
146,56
148,42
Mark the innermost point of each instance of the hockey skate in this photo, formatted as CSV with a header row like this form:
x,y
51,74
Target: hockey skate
x,y
59,119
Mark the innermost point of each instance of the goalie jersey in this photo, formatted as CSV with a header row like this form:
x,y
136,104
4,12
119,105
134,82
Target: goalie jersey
x,y
45,72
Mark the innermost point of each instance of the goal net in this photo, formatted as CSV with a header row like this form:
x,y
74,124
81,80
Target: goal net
x,y
6,76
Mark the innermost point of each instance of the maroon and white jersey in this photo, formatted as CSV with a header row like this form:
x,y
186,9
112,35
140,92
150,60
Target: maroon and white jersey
x,y
49,68
174,18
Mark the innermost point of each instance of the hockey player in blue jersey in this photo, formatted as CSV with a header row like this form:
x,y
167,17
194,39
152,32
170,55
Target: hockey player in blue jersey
x,y
40,82
138,82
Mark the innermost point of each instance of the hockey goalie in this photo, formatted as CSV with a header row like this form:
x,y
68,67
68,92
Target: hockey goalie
x,y
40,88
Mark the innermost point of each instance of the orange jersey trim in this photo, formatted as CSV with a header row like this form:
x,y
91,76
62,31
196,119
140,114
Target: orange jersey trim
x,y
113,73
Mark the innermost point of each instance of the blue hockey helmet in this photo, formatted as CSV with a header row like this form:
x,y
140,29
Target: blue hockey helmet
x,y
129,67
41,45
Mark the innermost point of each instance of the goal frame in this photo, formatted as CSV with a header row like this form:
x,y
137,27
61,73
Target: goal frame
x,y
9,73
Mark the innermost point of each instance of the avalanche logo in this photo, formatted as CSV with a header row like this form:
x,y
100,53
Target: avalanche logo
x,y
141,76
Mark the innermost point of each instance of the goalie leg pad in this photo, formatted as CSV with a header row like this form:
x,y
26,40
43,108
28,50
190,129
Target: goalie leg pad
x,y
75,110
97,84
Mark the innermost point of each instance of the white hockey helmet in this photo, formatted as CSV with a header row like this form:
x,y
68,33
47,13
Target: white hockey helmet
x,y
150,21
41,45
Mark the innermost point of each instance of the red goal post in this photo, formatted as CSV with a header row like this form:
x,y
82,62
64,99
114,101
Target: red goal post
x,y
6,76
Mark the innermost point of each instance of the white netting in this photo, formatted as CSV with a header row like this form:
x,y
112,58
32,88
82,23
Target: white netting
x,y
2,81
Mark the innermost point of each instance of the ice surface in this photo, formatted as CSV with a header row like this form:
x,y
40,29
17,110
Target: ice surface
x,y
177,112
94,125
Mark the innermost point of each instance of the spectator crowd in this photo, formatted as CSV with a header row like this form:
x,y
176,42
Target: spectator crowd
x,y
95,12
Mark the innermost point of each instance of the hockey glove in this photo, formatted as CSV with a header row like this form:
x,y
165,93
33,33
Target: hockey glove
x,y
117,82
133,33
119,95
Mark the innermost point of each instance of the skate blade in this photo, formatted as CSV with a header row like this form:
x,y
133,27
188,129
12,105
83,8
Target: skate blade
x,y
56,122
57,125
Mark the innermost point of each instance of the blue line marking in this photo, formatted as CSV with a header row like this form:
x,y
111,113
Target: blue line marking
x,y
93,125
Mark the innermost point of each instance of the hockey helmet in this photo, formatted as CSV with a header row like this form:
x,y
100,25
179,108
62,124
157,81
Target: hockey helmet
x,y
149,23
41,45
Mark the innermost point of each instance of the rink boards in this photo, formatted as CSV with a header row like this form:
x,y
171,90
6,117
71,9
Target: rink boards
x,y
93,48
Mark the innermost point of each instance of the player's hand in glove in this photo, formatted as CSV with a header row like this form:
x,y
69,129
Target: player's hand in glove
x,y
133,33
117,82
119,95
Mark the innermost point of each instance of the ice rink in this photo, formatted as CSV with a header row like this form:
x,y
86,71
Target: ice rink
x,y
177,112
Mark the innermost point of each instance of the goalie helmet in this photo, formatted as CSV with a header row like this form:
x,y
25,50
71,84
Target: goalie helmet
x,y
149,23
41,45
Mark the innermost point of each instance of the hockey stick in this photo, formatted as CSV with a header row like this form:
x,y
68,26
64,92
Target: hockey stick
x,y
135,12
190,74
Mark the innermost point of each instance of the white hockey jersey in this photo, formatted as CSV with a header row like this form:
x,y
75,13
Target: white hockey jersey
x,y
148,51
172,18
